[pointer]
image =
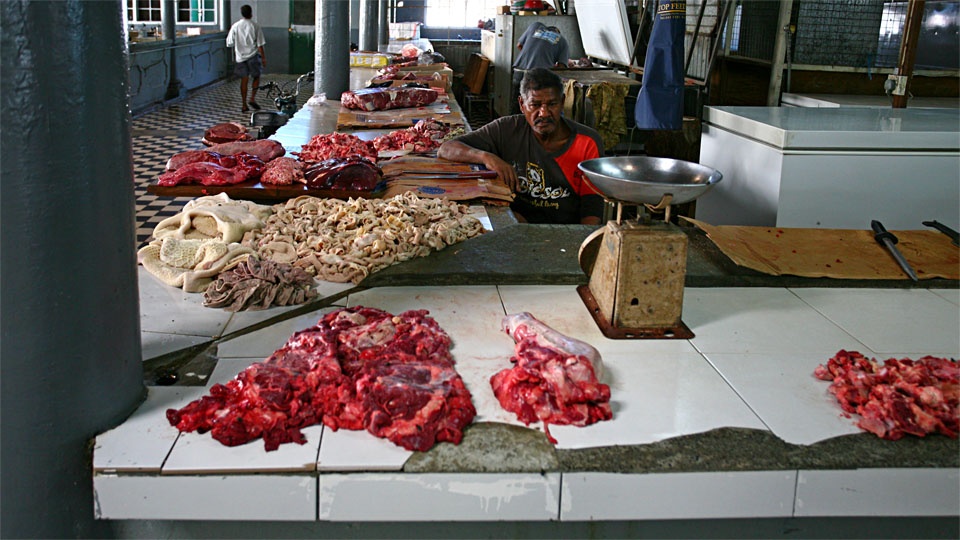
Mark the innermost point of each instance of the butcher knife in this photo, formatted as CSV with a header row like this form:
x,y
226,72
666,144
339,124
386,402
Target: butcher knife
x,y
889,241
954,236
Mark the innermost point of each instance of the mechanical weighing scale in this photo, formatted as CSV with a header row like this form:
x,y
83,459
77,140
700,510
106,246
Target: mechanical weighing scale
x,y
637,267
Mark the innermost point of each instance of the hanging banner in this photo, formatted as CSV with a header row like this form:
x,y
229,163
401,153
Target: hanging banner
x,y
660,103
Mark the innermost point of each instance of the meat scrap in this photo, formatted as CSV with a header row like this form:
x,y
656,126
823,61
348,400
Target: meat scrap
x,y
265,149
325,146
554,379
352,173
424,136
225,132
381,99
218,171
342,241
254,285
357,368
897,397
283,171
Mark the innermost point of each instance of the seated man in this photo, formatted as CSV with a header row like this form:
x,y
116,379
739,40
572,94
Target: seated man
x,y
537,154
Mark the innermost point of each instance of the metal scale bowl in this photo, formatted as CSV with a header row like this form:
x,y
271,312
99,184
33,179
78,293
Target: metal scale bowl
x,y
637,268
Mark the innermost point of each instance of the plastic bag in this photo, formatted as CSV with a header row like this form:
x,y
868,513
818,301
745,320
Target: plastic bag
x,y
317,100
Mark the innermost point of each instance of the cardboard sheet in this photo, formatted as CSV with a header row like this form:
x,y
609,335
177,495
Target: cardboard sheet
x,y
834,253
455,190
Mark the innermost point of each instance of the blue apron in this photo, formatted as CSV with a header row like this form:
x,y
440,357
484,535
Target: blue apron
x,y
660,103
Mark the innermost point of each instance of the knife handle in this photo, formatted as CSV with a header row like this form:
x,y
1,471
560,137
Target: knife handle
x,y
881,233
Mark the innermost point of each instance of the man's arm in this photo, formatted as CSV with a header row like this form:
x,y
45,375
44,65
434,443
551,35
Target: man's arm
x,y
457,151
263,59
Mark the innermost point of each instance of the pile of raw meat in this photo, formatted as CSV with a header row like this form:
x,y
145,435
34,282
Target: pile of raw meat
x,y
554,379
381,99
226,132
323,147
354,173
899,396
221,164
424,136
254,285
358,368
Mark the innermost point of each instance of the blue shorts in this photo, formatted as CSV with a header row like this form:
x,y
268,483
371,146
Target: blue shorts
x,y
249,67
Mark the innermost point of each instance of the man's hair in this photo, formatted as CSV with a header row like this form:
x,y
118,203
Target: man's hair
x,y
540,79
246,11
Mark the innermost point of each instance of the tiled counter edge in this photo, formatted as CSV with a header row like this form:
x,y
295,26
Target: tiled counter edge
x,y
571,496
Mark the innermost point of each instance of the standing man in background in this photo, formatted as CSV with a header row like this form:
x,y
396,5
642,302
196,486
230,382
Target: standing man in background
x,y
247,40
540,46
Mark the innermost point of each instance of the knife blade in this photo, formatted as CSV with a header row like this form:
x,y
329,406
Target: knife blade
x,y
889,241
954,236
464,174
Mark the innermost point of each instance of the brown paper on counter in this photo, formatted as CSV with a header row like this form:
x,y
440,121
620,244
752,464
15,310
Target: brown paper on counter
x,y
398,165
834,253
487,190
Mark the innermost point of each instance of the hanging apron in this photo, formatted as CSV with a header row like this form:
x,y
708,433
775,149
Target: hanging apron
x,y
660,103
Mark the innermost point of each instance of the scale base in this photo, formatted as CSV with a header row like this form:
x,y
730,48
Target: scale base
x,y
679,331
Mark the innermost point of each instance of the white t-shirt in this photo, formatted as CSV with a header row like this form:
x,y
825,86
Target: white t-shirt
x,y
245,36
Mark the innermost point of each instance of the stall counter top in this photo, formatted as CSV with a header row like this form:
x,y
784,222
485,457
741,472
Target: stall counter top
x,y
842,128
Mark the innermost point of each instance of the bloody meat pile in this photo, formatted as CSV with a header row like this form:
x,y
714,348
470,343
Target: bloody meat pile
x,y
553,379
357,368
381,99
215,170
898,396
224,133
424,136
325,146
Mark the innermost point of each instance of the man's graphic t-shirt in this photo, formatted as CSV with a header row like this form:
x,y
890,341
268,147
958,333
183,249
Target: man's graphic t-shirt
x,y
551,189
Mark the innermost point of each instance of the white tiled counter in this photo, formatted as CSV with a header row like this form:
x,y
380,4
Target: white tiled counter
x,y
750,366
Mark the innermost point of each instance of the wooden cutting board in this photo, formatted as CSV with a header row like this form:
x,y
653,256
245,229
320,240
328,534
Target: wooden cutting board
x,y
455,190
253,190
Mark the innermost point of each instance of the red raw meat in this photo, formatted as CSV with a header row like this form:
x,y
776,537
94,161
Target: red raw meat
x,y
325,146
381,99
897,397
345,173
265,149
283,171
358,368
553,380
424,136
226,132
218,170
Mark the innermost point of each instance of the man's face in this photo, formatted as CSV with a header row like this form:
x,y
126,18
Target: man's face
x,y
542,110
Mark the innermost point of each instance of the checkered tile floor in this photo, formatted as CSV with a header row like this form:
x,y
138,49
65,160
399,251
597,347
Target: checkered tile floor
x,y
163,132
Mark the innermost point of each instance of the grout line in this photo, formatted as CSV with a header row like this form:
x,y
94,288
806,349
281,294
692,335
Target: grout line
x,y
825,316
796,487
732,387
560,498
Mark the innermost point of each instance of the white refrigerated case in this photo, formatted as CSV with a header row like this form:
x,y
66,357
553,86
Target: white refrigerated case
x,y
832,167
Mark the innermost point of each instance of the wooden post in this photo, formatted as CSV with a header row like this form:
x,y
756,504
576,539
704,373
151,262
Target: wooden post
x,y
908,51
779,51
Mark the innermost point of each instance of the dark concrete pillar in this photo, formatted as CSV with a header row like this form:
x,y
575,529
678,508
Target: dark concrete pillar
x,y
224,15
384,35
369,21
332,47
71,364
168,19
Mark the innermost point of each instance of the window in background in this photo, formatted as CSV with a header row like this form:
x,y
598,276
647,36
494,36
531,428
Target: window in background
x,y
197,11
143,11
459,13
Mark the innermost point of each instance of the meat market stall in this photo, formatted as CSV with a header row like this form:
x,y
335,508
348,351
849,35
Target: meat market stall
x,y
731,423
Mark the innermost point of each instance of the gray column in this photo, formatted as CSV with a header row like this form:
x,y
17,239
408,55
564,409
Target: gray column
x,y
224,15
332,48
168,19
369,17
71,339
384,38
